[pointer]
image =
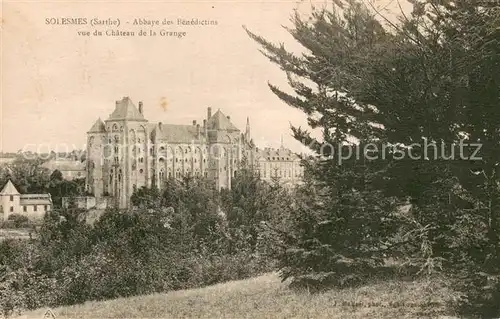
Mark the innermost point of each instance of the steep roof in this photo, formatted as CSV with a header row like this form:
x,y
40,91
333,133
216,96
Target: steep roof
x,y
9,189
219,121
98,127
125,109
177,133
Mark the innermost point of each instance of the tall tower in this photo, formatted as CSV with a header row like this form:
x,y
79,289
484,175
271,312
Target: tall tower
x,y
96,141
224,145
122,162
9,200
247,131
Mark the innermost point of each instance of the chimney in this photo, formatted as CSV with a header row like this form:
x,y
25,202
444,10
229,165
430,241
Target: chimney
x,y
209,113
160,125
194,122
140,107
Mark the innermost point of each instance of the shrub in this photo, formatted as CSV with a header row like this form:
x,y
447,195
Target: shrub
x,y
18,221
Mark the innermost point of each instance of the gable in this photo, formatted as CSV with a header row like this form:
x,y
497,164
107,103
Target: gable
x,y
126,110
219,121
9,189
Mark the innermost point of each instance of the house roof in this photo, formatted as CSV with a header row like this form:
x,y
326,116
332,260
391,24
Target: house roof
x,y
176,133
219,121
9,189
64,165
35,199
126,110
98,127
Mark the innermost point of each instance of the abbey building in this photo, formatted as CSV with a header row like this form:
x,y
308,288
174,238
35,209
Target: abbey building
x,y
126,152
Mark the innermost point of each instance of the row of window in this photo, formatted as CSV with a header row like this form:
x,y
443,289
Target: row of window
x,y
25,208
278,158
161,160
280,165
31,197
279,173
187,150
178,174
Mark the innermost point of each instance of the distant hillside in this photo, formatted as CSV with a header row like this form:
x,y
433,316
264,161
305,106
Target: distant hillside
x,y
267,297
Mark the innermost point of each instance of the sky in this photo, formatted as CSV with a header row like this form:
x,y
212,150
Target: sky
x,y
55,83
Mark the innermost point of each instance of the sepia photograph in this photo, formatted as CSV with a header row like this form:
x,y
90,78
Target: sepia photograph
x,y
250,159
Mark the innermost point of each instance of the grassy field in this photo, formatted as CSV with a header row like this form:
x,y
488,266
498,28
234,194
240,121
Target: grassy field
x,y
267,297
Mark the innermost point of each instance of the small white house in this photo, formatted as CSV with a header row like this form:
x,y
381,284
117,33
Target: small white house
x,y
33,206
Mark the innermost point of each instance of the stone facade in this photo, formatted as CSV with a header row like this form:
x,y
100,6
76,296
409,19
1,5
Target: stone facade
x,y
86,202
279,164
126,151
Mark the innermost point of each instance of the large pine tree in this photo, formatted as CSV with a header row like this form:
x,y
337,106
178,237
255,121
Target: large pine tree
x,y
433,77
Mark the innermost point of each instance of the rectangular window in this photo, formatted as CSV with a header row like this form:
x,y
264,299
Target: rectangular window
x,y
11,198
11,209
45,208
25,209
34,208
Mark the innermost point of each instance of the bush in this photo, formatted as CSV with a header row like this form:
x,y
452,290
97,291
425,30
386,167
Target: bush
x,y
180,240
17,221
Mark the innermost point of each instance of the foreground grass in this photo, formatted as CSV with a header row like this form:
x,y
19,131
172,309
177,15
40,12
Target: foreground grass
x,y
268,297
